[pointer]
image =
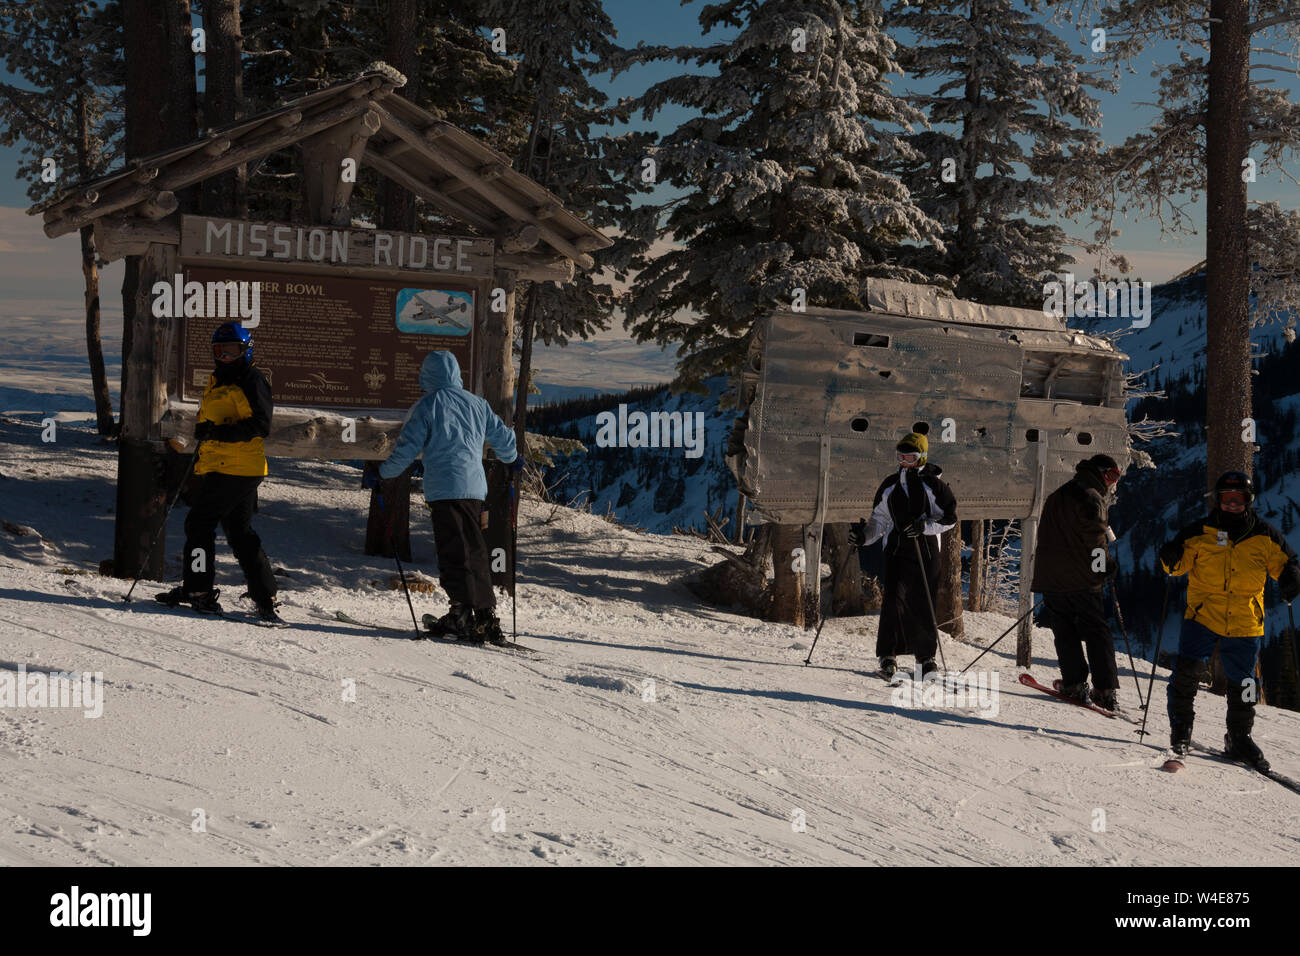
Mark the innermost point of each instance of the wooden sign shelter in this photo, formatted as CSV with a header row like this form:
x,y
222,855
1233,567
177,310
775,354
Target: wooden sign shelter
x,y
1013,398
330,274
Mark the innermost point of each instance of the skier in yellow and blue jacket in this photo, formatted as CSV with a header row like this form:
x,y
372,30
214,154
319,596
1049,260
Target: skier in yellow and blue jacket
x,y
1228,558
234,418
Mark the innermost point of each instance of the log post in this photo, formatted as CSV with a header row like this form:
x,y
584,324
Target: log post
x,y
496,335
948,606
141,488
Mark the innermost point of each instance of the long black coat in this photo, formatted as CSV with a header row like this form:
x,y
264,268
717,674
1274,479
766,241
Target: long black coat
x,y
910,582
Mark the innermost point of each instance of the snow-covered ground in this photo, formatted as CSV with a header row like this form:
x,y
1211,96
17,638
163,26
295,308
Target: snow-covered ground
x,y
653,730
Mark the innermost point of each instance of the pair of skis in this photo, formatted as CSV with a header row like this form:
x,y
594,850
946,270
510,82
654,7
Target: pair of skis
x,y
430,622
235,617
1173,762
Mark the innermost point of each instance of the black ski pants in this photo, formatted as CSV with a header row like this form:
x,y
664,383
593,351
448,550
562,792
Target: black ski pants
x,y
463,564
228,500
1078,620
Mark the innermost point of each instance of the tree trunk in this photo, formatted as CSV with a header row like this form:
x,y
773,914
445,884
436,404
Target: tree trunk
x,y
846,585
1227,324
159,114
975,590
396,204
90,269
525,366
94,347
948,606
787,583
223,102
1025,634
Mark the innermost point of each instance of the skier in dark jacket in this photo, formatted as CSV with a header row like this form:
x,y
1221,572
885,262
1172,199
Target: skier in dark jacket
x,y
234,418
447,428
1071,566
911,510
1228,558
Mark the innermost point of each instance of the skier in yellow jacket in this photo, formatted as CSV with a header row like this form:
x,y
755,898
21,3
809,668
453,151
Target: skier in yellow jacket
x,y
234,418
1228,558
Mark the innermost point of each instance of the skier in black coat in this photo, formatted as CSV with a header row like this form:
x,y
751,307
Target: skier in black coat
x,y
911,510
1071,566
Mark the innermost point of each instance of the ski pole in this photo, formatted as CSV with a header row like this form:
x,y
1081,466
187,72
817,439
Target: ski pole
x,y
822,621
938,636
514,554
1000,636
1160,633
194,456
1119,618
401,572
1295,648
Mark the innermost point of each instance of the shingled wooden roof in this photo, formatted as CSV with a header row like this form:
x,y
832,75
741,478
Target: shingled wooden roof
x,y
442,164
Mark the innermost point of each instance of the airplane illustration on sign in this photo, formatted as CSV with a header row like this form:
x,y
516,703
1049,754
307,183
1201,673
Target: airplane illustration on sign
x,y
433,308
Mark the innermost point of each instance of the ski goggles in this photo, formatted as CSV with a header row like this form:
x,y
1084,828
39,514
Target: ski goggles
x,y
227,351
1232,498
909,457
1110,476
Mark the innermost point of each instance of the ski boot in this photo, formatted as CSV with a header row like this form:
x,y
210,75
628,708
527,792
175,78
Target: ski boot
x,y
486,620
928,669
457,623
1105,699
1244,749
1076,692
205,602
1180,737
888,667
266,611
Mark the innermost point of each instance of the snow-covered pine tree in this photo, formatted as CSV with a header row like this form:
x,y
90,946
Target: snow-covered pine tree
x,y
557,45
66,109
1011,99
291,49
779,181
1217,130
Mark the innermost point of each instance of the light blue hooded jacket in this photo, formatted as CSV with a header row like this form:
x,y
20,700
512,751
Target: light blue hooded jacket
x,y
447,427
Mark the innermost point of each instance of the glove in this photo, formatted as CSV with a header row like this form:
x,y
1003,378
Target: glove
x,y
518,464
1171,553
857,534
203,430
1288,583
1112,568
370,478
915,529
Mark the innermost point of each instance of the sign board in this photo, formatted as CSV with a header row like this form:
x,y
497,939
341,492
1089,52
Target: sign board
x,y
270,243
331,342
345,316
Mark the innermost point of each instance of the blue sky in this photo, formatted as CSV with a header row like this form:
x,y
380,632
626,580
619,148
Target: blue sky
x,y
39,277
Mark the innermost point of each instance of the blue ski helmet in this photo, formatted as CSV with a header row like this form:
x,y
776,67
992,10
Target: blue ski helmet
x,y
234,332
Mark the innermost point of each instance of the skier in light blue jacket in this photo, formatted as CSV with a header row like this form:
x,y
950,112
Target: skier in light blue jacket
x,y
447,428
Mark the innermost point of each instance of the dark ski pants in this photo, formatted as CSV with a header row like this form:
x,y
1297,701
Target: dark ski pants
x,y
1078,620
1237,654
908,591
228,500
463,564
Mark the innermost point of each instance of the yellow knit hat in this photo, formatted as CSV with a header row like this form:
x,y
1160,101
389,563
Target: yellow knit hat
x,y
915,442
